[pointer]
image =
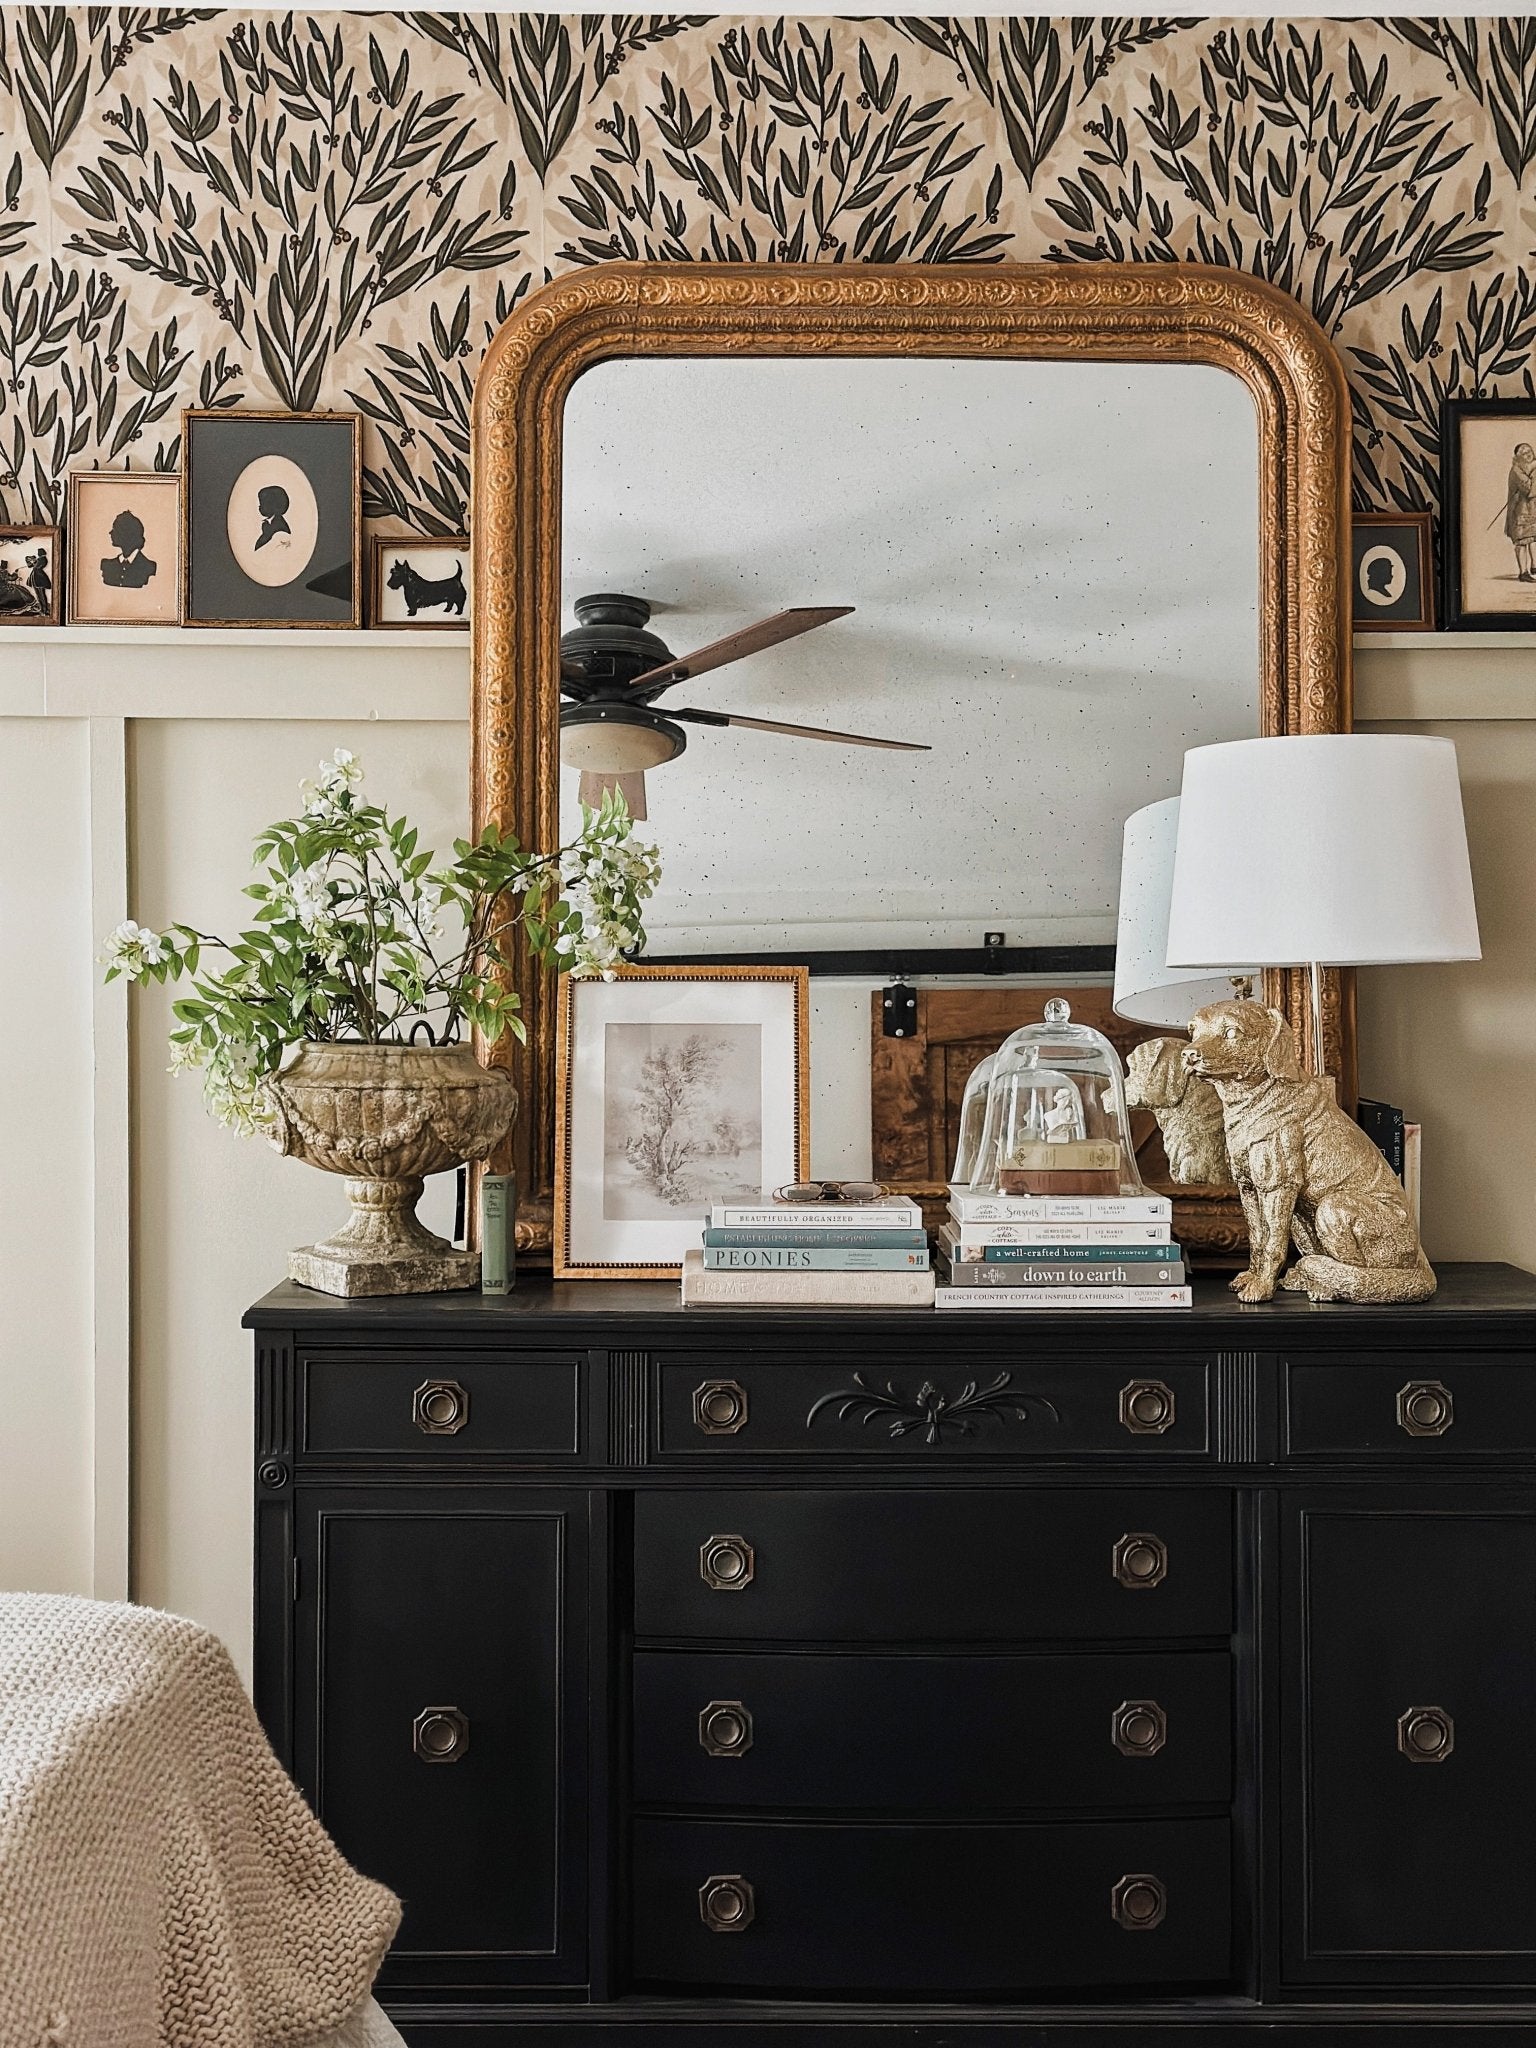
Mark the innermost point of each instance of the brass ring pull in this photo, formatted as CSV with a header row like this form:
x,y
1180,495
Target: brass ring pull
x,y
440,1407
1425,1408
1139,1728
726,1563
1139,1902
726,1904
1425,1735
1147,1407
1140,1560
720,1407
440,1735
725,1728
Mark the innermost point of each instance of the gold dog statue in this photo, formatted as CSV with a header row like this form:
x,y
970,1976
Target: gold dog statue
x,y
1187,1108
1304,1169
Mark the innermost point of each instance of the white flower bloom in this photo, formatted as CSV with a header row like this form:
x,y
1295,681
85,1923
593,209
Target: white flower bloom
x,y
310,897
133,949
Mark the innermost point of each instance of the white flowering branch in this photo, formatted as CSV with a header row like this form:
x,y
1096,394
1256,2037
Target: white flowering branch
x,y
359,935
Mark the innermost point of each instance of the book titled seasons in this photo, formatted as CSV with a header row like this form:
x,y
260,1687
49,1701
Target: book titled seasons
x,y
1127,1273
968,1208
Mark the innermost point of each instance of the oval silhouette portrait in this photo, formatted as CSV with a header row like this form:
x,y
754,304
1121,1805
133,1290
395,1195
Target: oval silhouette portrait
x,y
1383,576
273,520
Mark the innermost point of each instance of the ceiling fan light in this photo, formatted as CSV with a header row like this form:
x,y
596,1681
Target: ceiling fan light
x,y
598,740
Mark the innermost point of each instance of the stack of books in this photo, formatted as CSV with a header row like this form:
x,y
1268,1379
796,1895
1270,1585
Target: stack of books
x,y
826,1255
1059,1251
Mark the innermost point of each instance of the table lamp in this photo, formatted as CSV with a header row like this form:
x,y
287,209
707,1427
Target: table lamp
x,y
1322,850
1147,989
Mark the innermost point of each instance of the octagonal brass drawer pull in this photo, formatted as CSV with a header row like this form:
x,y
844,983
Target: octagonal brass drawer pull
x,y
1139,1902
725,1728
1140,1560
440,1735
440,1407
720,1407
1425,1408
1147,1407
1425,1735
726,1904
1139,1728
726,1563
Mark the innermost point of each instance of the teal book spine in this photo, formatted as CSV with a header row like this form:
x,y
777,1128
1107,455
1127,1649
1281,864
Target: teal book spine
x,y
797,1259
717,1237
498,1201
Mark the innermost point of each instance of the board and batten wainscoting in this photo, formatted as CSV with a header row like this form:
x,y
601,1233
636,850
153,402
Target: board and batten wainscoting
x,y
136,767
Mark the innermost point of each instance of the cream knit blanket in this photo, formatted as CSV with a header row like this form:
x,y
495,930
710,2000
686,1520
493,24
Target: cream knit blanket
x,y
162,1883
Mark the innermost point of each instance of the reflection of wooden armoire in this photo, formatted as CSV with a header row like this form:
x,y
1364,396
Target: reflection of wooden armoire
x,y
919,1078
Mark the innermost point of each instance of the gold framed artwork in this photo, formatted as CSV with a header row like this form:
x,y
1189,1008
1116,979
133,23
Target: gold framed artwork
x,y
1111,312
124,548
419,581
29,576
676,1087
1394,579
272,518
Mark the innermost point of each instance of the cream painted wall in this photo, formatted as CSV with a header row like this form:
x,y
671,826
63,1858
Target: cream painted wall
x,y
215,1214
46,1410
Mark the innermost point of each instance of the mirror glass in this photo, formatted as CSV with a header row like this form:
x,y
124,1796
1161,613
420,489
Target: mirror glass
x,y
1054,573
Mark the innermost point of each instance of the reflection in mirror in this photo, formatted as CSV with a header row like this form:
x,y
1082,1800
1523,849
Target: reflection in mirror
x,y
1053,569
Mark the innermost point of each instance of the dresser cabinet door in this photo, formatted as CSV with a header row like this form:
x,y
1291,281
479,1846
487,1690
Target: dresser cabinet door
x,y
1410,1801
441,1732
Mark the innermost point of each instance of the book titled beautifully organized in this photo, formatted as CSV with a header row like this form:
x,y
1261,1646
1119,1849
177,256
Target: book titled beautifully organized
x,y
828,1254
1063,1250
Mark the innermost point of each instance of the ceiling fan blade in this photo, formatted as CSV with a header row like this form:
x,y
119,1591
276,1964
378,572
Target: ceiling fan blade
x,y
750,640
630,787
803,732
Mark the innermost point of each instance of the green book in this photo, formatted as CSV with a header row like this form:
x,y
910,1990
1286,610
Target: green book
x,y
498,1208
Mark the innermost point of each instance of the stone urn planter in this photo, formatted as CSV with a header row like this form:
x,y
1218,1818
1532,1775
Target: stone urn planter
x,y
386,1116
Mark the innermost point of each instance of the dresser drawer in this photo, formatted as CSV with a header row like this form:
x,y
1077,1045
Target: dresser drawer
x,y
974,1566
989,1404
440,1404
757,1906
1426,1406
932,1734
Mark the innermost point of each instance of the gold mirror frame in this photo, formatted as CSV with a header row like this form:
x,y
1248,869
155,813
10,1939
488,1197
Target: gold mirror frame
x,y
1107,312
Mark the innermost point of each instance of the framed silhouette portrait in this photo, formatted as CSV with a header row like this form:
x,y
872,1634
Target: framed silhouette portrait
x,y
29,576
272,517
420,581
1488,506
124,548
1392,564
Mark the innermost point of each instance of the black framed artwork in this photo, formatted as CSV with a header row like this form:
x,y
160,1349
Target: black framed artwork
x,y
420,581
1488,485
272,518
30,593
1392,570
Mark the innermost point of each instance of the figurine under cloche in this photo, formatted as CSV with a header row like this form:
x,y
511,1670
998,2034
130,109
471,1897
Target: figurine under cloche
x,y
1056,1120
973,1121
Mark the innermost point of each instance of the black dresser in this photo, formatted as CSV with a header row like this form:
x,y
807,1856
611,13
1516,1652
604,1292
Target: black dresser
x,y
812,1679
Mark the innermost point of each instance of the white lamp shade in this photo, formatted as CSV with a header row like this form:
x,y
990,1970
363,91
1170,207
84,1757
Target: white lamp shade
x,y
1147,989
1348,849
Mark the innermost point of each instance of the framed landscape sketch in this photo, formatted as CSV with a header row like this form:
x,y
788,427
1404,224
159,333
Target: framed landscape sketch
x,y
1488,487
1392,564
272,518
420,582
676,1087
29,576
124,548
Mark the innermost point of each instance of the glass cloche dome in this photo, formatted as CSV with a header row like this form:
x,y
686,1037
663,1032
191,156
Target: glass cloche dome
x,y
1056,1121
973,1121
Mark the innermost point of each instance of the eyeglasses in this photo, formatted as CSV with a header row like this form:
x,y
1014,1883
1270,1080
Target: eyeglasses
x,y
854,1191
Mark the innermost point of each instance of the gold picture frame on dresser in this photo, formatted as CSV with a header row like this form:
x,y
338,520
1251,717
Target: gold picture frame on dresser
x,y
1102,311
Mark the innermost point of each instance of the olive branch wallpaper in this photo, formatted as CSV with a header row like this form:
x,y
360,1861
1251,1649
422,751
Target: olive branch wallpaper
x,y
204,208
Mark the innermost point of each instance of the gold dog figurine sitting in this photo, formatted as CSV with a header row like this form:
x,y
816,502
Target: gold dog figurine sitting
x,y
1188,1111
1304,1170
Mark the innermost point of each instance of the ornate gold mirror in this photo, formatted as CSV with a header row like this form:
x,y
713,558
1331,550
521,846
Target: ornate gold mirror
x,y
925,324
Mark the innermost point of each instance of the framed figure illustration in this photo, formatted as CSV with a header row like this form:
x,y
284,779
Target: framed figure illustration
x,y
1488,485
124,548
676,1087
29,576
1392,564
272,515
420,581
